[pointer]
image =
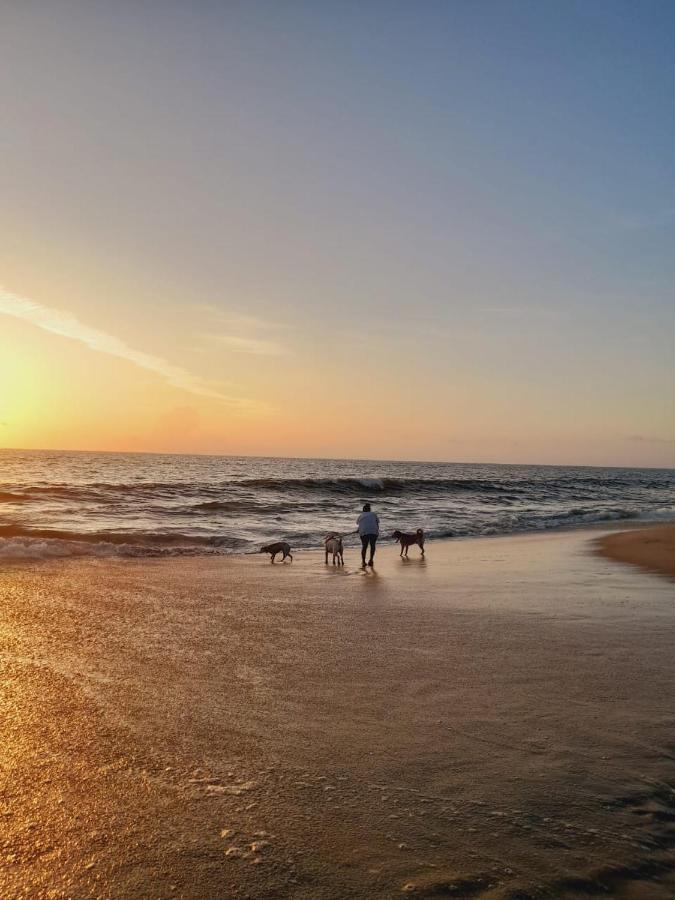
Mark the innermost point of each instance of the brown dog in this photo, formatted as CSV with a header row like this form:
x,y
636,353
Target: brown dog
x,y
282,547
407,540
333,544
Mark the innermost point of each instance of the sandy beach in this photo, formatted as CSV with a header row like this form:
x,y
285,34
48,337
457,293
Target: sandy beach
x,y
496,721
650,548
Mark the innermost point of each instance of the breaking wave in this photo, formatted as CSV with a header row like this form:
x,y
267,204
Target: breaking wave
x,y
61,505
337,485
43,543
21,542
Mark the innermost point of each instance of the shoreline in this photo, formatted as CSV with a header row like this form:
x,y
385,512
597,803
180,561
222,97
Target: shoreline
x,y
651,549
351,544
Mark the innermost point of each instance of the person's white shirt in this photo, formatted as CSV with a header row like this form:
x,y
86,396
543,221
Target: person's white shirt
x,y
368,523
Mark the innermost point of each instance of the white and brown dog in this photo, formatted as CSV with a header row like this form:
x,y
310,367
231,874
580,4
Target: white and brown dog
x,y
282,547
333,544
407,540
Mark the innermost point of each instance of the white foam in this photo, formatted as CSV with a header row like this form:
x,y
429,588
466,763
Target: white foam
x,y
54,548
376,484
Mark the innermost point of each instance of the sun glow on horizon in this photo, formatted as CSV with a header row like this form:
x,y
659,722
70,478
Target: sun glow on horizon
x,y
20,396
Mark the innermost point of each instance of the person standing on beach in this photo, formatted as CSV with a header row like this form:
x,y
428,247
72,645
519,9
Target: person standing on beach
x,y
369,529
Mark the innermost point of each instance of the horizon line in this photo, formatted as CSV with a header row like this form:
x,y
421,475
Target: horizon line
x,y
372,459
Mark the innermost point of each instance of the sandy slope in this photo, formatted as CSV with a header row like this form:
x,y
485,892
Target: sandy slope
x,y
496,722
650,548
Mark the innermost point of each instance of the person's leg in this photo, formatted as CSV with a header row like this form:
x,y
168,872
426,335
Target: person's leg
x,y
372,541
364,544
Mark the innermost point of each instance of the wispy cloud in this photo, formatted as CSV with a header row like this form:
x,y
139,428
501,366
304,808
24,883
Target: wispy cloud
x,y
242,333
66,325
247,344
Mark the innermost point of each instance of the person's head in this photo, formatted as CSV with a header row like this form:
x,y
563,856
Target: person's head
x,y
366,507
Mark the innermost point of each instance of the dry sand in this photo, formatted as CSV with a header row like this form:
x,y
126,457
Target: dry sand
x,y
651,548
497,721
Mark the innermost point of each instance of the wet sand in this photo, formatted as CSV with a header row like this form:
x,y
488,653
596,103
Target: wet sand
x,y
650,548
497,721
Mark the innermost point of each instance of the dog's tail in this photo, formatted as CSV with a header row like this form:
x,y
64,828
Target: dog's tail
x,y
420,532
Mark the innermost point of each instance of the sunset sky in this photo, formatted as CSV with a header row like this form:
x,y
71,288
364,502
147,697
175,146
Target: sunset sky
x,y
439,230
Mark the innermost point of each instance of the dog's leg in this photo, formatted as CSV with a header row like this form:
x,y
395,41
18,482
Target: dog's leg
x,y
326,557
273,557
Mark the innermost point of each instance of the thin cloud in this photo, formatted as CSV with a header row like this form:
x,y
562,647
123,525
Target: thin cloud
x,y
247,345
241,321
237,329
66,325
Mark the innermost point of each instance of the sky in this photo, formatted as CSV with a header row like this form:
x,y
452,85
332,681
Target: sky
x,y
380,229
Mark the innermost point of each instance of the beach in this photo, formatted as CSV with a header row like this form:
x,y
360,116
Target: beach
x,y
493,721
651,548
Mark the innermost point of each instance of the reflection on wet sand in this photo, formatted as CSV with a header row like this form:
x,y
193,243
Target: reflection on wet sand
x,y
498,723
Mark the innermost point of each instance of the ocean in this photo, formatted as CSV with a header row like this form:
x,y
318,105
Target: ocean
x,y
55,504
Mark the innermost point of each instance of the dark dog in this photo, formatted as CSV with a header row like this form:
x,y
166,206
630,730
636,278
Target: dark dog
x,y
280,547
333,544
407,540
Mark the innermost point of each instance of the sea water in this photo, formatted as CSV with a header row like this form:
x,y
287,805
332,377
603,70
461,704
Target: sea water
x,y
109,504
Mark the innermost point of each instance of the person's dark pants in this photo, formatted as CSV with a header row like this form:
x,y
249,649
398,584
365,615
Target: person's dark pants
x,y
368,540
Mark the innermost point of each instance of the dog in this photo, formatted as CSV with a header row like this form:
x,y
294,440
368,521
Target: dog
x,y
282,547
407,540
333,544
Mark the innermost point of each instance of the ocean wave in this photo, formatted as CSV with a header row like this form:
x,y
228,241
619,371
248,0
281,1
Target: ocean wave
x,y
221,506
30,548
364,486
214,495
550,521
100,505
52,541
18,542
55,548
594,515
211,494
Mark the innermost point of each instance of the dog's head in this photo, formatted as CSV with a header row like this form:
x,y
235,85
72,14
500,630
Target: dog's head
x,y
397,535
264,550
